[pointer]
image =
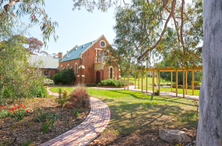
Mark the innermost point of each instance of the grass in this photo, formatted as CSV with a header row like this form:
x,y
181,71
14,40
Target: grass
x,y
56,89
135,111
189,91
149,79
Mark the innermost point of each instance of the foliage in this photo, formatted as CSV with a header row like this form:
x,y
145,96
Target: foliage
x,y
42,117
65,77
196,83
18,112
40,91
11,14
154,29
76,113
46,125
112,82
63,96
18,79
167,75
48,81
78,95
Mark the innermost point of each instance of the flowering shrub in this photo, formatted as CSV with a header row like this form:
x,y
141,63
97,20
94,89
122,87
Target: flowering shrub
x,y
18,111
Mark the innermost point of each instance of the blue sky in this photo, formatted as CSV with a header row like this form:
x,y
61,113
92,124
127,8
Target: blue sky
x,y
76,27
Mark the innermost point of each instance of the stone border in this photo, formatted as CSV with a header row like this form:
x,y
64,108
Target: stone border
x,y
88,130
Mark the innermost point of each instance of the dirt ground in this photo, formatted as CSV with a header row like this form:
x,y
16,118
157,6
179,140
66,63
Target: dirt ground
x,y
29,130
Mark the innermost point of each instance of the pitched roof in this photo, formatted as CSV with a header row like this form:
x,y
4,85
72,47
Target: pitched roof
x,y
43,62
75,53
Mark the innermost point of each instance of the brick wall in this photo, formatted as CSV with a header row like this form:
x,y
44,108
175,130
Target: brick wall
x,y
88,60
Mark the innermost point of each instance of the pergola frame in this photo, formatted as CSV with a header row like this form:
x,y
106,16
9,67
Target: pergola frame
x,y
164,69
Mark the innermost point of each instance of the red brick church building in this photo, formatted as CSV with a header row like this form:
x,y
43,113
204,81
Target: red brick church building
x,y
88,62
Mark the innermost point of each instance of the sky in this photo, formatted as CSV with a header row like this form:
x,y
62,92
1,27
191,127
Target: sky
x,y
76,27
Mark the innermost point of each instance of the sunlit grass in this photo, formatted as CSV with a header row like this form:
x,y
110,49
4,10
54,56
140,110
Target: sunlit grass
x,y
132,111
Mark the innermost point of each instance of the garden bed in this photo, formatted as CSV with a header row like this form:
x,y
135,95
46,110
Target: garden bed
x,y
29,130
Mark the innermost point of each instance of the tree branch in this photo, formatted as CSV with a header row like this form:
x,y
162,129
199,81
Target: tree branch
x,y
12,2
161,36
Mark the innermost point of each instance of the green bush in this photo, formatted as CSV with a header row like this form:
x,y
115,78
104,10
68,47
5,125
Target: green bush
x,y
64,77
40,91
112,82
196,83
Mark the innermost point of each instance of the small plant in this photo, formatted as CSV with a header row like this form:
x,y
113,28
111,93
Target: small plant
x,y
76,113
46,125
62,97
18,112
27,143
41,116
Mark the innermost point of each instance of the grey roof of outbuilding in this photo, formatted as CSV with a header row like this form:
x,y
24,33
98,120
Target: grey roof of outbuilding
x,y
43,62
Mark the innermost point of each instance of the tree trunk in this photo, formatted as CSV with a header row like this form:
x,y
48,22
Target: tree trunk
x,y
210,118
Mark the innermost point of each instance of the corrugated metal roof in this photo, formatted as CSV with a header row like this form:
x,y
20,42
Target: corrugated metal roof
x,y
43,62
75,53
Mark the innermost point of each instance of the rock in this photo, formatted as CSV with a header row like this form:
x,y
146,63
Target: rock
x,y
86,103
174,136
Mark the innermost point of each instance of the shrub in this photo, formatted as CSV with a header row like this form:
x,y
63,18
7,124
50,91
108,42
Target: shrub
x,y
39,91
112,82
64,77
196,83
79,97
48,81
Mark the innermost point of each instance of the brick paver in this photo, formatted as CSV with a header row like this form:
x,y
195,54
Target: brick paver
x,y
88,130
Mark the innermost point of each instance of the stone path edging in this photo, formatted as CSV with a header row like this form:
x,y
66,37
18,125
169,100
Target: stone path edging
x,y
88,130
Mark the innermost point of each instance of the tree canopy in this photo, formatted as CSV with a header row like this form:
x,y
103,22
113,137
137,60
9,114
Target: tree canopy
x,y
169,28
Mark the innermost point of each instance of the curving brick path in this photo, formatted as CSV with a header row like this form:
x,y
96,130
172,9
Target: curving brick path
x,y
88,130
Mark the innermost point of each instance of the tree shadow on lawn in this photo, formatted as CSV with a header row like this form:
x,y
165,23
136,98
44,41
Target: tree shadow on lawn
x,y
155,98
129,119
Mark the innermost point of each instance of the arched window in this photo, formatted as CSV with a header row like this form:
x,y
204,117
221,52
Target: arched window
x,y
111,72
61,68
76,68
67,66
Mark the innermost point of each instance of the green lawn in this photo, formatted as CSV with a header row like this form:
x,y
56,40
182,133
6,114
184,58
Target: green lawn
x,y
149,79
189,91
56,89
135,111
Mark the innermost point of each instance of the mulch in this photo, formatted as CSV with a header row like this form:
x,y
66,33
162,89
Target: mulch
x,y
29,130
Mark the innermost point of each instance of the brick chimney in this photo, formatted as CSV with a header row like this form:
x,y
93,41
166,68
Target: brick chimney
x,y
60,55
